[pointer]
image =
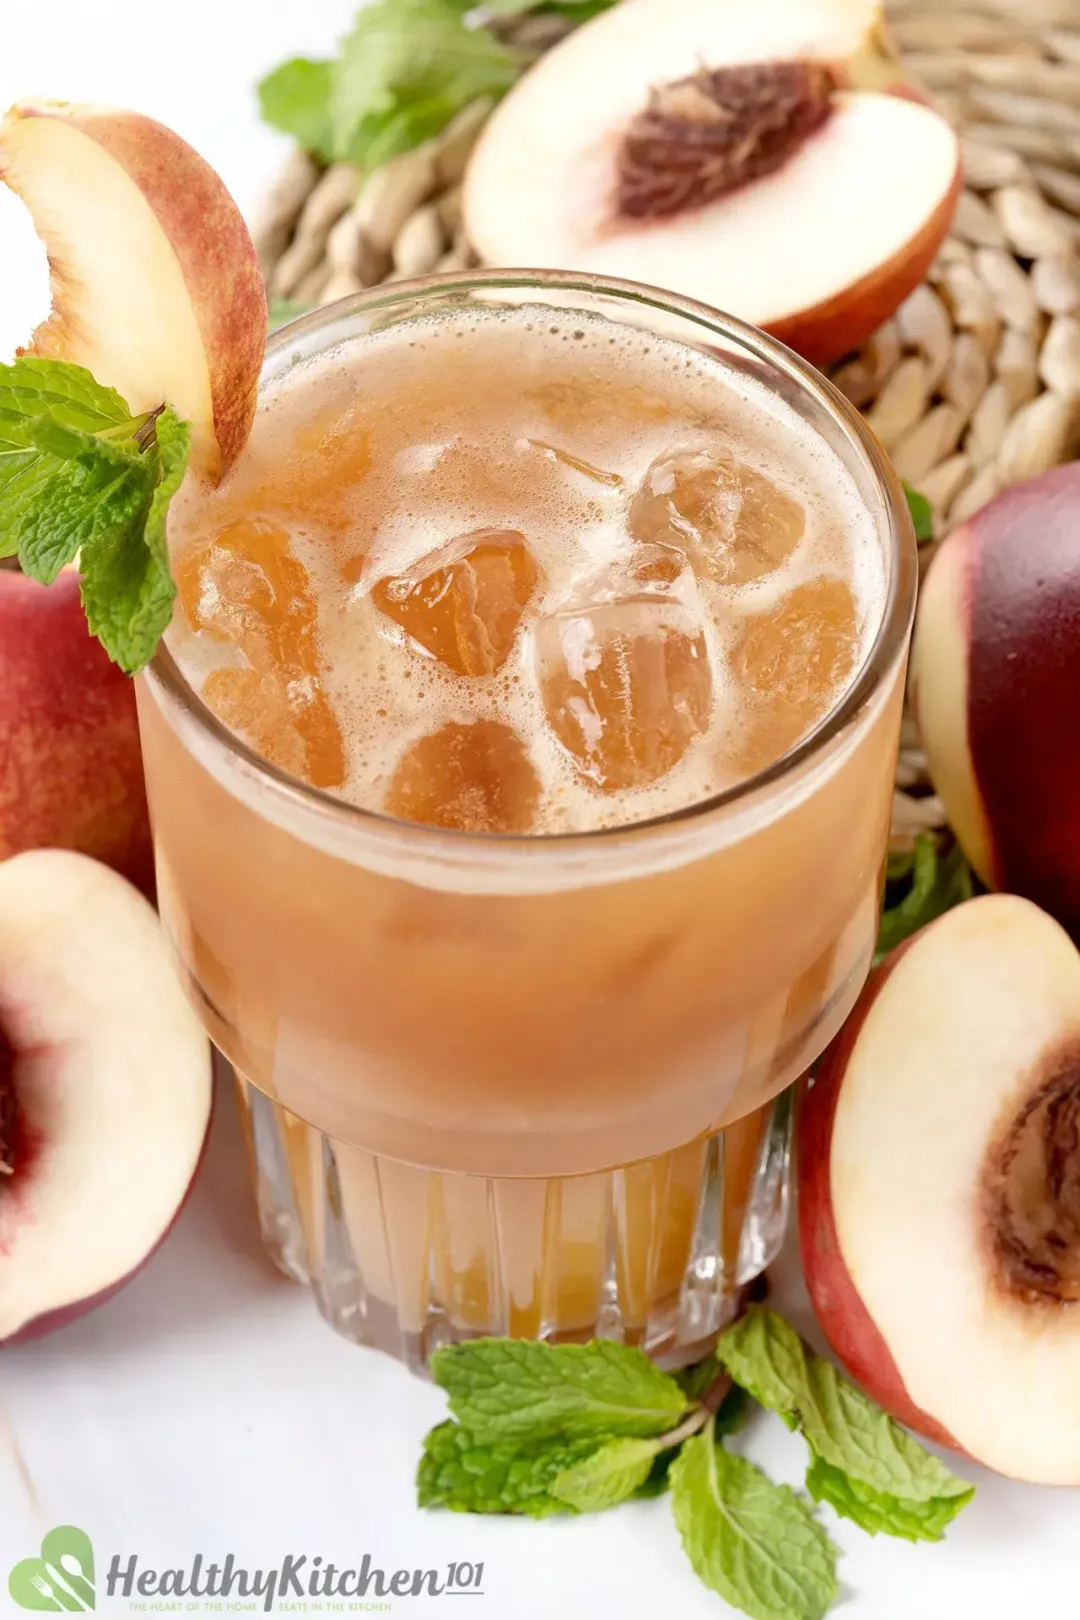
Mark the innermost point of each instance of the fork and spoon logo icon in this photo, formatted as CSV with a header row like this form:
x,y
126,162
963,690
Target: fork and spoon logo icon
x,y
62,1578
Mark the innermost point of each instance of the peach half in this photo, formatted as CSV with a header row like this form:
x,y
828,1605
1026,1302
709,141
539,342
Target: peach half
x,y
995,684
939,1188
156,287
748,156
105,1088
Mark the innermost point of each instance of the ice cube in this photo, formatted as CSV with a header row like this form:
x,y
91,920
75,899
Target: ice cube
x,y
626,684
472,777
464,602
792,661
245,588
733,523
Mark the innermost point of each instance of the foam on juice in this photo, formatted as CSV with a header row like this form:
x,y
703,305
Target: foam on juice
x,y
378,453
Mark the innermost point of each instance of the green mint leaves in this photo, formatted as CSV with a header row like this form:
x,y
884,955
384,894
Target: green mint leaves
x,y
756,1543
539,1429
127,589
920,885
864,1465
295,98
82,478
404,70
922,514
468,1475
514,1389
401,74
613,1473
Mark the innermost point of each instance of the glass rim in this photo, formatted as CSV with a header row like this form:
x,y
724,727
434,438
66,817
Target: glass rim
x,y
879,659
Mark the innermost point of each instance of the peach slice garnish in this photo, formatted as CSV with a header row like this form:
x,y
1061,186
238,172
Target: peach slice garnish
x,y
156,287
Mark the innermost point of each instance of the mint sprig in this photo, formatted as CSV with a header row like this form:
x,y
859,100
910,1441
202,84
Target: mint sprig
x,y
83,478
866,1466
295,98
539,1429
403,71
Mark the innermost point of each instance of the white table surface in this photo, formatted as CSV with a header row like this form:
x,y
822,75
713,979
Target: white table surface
x,y
207,1408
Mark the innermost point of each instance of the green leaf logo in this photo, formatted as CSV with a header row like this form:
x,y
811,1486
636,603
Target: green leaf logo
x,y
62,1579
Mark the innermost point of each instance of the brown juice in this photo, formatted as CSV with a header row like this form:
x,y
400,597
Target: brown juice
x,y
534,583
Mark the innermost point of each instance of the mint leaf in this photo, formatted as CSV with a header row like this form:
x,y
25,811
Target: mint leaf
x,y
64,511
756,1543
934,884
459,1472
515,1390
767,1358
71,488
42,500
56,438
82,478
404,70
612,1474
31,388
922,513
843,1427
170,457
127,589
876,1511
295,98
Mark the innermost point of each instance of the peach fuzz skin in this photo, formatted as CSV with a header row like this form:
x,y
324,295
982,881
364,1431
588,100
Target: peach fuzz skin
x,y
844,1319
71,771
995,678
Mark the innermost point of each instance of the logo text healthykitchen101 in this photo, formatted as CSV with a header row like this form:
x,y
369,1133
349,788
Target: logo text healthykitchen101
x,y
63,1577
297,1577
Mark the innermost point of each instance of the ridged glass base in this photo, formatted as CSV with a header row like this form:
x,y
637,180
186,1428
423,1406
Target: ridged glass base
x,y
655,1254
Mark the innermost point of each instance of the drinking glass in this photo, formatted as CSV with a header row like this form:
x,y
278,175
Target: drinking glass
x,y
533,1085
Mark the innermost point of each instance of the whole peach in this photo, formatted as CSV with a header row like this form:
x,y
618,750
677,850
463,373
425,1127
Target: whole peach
x,y
70,765
996,688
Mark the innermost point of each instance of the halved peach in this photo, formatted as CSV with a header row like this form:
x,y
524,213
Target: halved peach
x,y
105,1088
726,151
939,1188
